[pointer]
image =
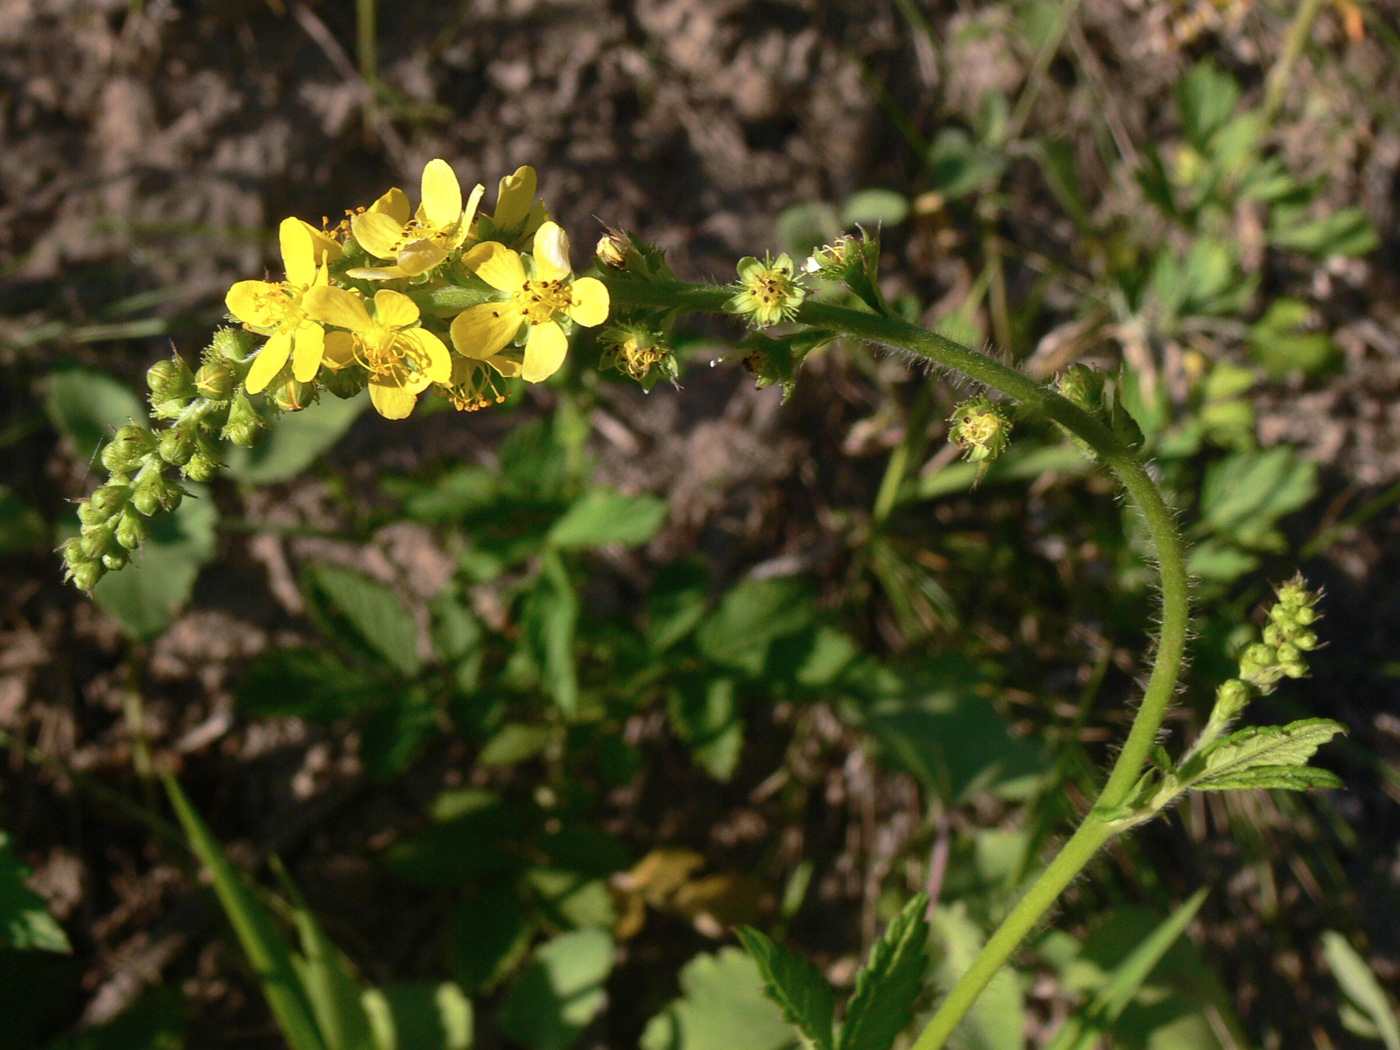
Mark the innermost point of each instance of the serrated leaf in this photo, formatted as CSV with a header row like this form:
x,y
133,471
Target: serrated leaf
x,y
722,1007
1287,778
602,517
889,982
375,612
795,984
1270,748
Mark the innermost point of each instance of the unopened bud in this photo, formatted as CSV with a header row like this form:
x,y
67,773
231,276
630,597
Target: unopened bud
x,y
231,344
293,396
245,426
128,449
132,530
177,445
215,380
86,573
1082,385
97,540
115,559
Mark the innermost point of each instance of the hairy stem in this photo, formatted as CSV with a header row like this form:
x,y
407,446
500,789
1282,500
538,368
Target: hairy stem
x,y
1142,492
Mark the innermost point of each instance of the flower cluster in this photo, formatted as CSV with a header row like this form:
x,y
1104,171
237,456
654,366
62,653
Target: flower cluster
x,y
403,300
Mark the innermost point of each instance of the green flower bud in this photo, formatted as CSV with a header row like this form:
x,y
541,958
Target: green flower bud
x,y
1082,385
245,425
154,492
230,344
85,574
110,498
1230,699
346,382
204,464
172,387
617,252
132,530
128,449
72,551
97,540
293,396
215,380
981,429
91,514
177,445
1305,640
1272,634
115,559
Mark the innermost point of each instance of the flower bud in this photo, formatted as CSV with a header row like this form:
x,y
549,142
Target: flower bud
x,y
346,382
91,514
97,540
215,380
1081,385
1230,699
111,497
177,445
204,464
617,252
245,426
231,344
72,551
170,380
132,530
115,559
85,574
154,492
128,449
293,396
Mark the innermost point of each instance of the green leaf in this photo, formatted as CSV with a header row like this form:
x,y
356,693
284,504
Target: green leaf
x,y
550,622
489,934
311,684
560,992
722,1007
705,713
676,603
1231,762
88,406
1359,984
1087,1027
874,208
145,596
602,517
25,921
295,440
374,611
419,1015
1346,231
1287,778
889,982
1205,98
1243,495
997,1020
513,743
267,950
1282,343
21,527
795,984
738,633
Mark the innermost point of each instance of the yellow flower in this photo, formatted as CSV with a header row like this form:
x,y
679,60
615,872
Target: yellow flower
x,y
539,297
426,239
402,359
518,215
277,307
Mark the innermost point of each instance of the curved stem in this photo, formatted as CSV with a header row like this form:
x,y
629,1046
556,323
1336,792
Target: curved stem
x,y
1141,490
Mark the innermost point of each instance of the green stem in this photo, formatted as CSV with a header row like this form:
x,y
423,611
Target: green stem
x,y
1141,490
1298,32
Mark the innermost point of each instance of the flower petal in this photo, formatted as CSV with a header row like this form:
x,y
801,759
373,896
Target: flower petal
x,y
544,352
340,349
308,347
298,252
442,194
253,302
269,362
375,273
552,253
326,247
377,233
420,256
394,309
516,194
391,400
338,307
434,359
590,306
469,212
497,265
481,331
395,205
507,365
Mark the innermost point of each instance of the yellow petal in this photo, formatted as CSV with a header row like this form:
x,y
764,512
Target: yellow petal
x,y
506,365
326,247
377,233
394,309
552,253
255,303
516,195
497,265
340,349
391,400
338,307
544,352
442,194
469,212
590,306
481,331
269,362
298,252
420,257
308,347
393,204
434,360
375,273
